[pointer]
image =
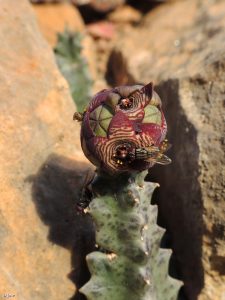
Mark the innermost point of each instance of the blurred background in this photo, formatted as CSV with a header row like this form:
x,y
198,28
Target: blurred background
x,y
54,56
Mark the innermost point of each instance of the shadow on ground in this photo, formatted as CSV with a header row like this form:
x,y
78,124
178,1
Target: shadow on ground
x,y
56,189
179,197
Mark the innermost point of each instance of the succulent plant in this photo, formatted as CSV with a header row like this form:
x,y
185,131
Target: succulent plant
x,y
129,263
123,133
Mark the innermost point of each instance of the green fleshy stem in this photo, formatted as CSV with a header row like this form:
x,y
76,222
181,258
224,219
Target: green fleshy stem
x,y
132,265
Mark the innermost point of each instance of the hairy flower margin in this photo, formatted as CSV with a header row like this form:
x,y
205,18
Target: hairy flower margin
x,y
124,129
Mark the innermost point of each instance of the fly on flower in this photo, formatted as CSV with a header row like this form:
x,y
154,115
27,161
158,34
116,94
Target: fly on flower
x,y
155,154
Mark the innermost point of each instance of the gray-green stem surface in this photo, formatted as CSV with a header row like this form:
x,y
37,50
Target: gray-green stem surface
x,y
130,264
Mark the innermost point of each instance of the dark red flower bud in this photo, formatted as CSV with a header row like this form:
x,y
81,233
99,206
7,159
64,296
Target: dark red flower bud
x,y
123,129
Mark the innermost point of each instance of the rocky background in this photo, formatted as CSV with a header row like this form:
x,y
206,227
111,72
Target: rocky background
x,y
180,46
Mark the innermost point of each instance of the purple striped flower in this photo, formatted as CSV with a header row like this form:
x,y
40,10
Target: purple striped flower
x,y
123,129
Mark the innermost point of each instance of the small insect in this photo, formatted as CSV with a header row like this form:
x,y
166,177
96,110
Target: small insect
x,y
154,154
126,153
86,193
78,116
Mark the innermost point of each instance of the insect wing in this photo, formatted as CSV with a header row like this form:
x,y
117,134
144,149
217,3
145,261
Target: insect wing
x,y
141,153
163,160
152,149
160,159
147,153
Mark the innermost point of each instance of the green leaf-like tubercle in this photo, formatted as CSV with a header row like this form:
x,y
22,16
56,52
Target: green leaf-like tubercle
x,y
132,265
152,115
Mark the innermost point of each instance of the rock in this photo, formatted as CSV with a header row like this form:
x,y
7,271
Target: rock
x,y
117,71
99,5
90,54
183,54
54,18
125,14
44,1
40,179
102,29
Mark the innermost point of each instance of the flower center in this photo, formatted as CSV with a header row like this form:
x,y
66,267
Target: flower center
x,y
124,154
125,103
